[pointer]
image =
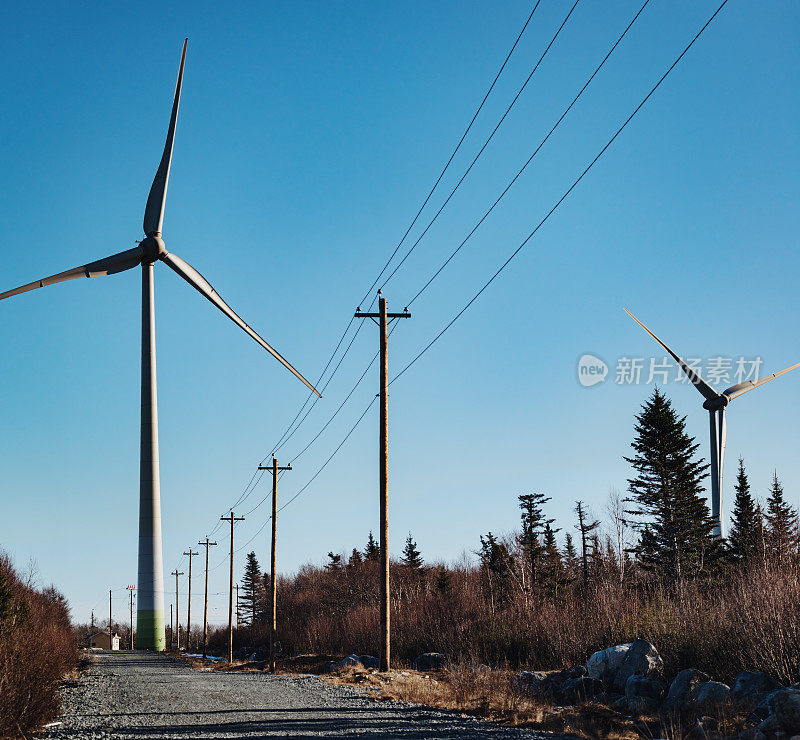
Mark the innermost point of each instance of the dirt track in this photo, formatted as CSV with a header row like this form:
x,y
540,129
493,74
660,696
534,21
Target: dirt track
x,y
143,695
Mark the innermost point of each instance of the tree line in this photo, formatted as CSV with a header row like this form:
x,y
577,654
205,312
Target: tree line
x,y
660,532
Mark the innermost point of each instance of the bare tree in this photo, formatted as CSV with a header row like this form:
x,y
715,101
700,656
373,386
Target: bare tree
x,y
615,508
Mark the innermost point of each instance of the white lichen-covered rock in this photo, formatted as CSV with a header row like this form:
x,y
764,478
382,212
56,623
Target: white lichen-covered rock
x,y
642,659
706,696
605,664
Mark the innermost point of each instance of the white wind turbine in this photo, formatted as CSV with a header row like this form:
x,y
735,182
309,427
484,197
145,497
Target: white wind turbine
x,y
715,404
150,611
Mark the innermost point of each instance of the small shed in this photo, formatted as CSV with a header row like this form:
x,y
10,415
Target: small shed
x,y
101,640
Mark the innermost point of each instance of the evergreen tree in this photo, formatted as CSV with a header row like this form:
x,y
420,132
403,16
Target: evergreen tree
x,y
781,524
743,540
533,524
677,538
252,591
570,558
356,558
412,557
588,545
443,585
552,567
372,551
496,564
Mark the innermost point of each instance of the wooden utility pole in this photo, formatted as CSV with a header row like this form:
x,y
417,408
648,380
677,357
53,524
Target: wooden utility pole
x,y
110,624
131,589
383,319
273,624
232,519
206,543
177,573
189,602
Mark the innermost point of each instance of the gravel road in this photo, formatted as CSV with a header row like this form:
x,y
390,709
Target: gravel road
x,y
143,695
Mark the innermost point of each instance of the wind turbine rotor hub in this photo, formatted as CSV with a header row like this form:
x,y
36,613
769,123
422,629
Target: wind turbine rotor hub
x,y
153,247
716,404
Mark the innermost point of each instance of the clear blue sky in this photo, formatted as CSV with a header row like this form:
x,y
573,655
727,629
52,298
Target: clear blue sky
x,y
308,135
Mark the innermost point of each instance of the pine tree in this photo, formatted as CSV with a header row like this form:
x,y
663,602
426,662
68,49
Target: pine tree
x,y
588,546
743,540
356,559
677,538
781,525
570,558
533,524
496,564
443,585
412,557
372,551
252,591
552,567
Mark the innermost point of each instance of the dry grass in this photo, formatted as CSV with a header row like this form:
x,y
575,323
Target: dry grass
x,y
491,695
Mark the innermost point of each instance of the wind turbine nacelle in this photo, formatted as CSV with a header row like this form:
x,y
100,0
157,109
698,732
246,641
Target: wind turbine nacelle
x,y
717,404
153,247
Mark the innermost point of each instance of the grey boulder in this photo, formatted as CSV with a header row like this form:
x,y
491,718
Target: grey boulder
x,y
429,661
578,690
351,661
707,696
750,688
787,710
643,694
529,680
369,661
642,659
681,687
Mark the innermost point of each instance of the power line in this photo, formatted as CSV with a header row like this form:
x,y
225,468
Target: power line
x,y
531,158
562,198
477,156
283,437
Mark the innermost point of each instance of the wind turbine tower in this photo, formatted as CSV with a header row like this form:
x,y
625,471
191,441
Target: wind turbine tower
x,y
150,588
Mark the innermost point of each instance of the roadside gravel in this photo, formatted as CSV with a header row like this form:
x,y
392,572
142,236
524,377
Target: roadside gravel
x,y
143,695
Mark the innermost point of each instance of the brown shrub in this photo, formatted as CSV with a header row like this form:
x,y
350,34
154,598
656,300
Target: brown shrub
x,y
742,620
36,649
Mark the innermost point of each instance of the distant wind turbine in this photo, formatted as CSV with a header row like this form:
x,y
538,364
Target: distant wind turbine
x,y
150,611
715,404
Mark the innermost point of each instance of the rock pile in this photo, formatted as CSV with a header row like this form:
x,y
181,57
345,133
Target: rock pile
x,y
629,678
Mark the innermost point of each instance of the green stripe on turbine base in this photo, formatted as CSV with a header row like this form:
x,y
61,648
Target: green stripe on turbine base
x,y
150,630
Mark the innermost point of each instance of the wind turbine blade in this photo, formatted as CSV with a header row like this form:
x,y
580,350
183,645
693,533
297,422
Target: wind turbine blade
x,y
196,280
108,266
154,210
708,392
749,385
